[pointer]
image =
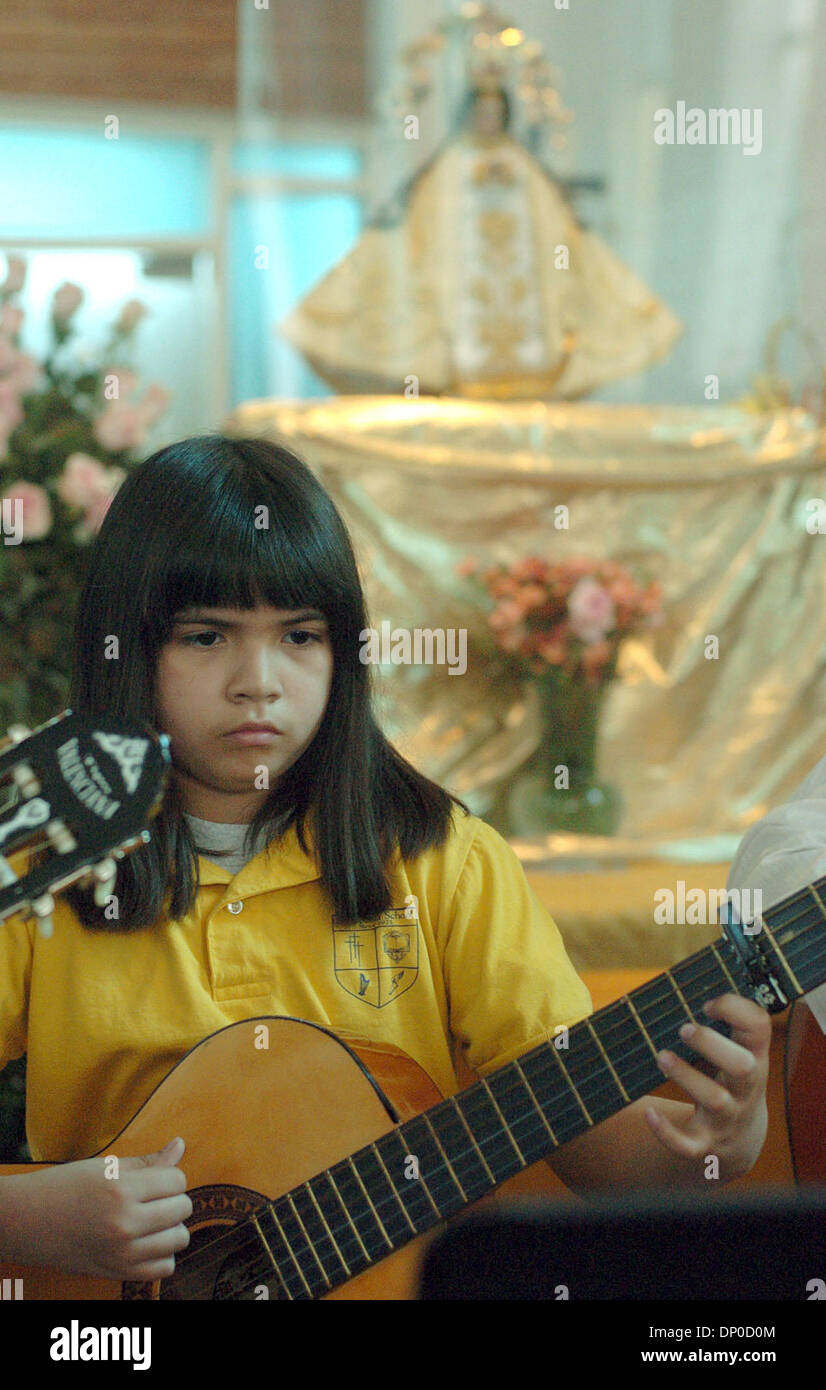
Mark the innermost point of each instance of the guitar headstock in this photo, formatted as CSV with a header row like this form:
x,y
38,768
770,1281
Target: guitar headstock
x,y
87,788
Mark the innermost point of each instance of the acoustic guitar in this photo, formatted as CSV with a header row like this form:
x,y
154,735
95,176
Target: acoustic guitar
x,y
317,1163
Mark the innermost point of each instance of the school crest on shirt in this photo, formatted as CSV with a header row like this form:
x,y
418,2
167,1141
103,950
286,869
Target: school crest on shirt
x,y
377,961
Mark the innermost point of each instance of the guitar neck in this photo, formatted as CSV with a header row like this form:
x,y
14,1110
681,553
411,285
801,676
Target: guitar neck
x,y
428,1169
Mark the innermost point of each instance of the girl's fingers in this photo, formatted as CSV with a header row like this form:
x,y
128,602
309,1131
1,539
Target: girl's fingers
x,y
751,1026
737,1062
703,1089
675,1139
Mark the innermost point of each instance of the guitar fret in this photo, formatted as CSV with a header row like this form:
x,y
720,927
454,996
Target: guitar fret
x,y
457,1110
784,962
681,997
310,1242
273,1260
272,1213
334,1241
553,1091
346,1211
394,1189
447,1161
339,1184
379,1222
484,1116
725,968
567,1077
626,999
662,1006
415,1189
327,1228
527,1124
377,1177
800,926
540,1112
470,1168
608,1062
625,1042
506,1126
442,1187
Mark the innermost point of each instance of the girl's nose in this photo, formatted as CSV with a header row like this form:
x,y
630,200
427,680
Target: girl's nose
x,y
258,675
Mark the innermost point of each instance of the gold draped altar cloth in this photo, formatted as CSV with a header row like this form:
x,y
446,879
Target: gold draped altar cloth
x,y
713,501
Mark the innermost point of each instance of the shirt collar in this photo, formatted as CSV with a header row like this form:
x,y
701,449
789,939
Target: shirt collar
x,y
279,865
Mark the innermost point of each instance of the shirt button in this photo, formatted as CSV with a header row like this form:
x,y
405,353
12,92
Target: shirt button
x,y
234,907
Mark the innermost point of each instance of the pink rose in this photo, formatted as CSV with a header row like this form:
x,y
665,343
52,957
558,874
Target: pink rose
x,y
66,300
591,610
119,426
130,316
15,275
37,509
86,483
83,480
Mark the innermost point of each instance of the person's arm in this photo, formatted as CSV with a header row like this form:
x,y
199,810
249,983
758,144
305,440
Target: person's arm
x,y
787,847
657,1142
75,1218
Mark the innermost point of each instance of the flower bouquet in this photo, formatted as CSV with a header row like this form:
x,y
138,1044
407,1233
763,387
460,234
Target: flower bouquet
x,y
562,625
69,429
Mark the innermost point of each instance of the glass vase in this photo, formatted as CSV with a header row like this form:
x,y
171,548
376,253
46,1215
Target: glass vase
x,y
560,791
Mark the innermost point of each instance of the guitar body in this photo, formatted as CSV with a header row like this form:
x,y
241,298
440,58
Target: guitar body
x,y
805,1077
257,1122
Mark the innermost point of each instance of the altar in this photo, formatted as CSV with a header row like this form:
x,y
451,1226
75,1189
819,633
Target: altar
x,y
714,714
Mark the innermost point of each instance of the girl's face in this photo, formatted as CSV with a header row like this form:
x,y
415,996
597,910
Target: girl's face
x,y
223,667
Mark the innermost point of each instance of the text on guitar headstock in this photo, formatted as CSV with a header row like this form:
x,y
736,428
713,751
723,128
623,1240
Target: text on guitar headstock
x,y
87,788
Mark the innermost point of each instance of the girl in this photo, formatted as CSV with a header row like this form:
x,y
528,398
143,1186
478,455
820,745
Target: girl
x,y
302,868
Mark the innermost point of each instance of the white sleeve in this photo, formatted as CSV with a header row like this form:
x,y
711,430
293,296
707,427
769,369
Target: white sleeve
x,y
786,850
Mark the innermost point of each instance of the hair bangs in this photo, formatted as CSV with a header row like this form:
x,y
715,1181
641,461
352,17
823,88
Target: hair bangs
x,y
265,546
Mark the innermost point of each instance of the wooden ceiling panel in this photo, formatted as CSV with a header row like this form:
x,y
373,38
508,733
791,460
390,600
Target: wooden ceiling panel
x,y
185,52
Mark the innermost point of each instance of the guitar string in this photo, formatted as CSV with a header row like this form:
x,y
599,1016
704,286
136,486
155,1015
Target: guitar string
x,y
207,1252
386,1203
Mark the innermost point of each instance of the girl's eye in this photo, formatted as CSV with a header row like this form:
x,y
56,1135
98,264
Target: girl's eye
x,y
303,635
193,639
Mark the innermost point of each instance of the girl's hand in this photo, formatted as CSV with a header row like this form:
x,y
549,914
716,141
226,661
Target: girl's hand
x,y
74,1218
730,1117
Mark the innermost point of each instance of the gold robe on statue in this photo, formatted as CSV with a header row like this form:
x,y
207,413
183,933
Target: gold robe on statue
x,y
485,286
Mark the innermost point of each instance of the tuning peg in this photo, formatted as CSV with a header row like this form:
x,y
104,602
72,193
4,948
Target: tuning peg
x,y
25,780
105,874
42,908
61,836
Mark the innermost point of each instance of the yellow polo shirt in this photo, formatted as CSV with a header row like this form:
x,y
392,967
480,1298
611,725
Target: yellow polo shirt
x,y
465,960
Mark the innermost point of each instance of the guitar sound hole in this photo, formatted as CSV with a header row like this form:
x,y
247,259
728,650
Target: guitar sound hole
x,y
221,1250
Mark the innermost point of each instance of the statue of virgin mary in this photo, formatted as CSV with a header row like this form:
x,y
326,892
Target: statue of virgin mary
x,y
478,281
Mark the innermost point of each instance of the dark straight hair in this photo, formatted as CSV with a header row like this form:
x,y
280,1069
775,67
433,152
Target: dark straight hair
x,y
182,532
